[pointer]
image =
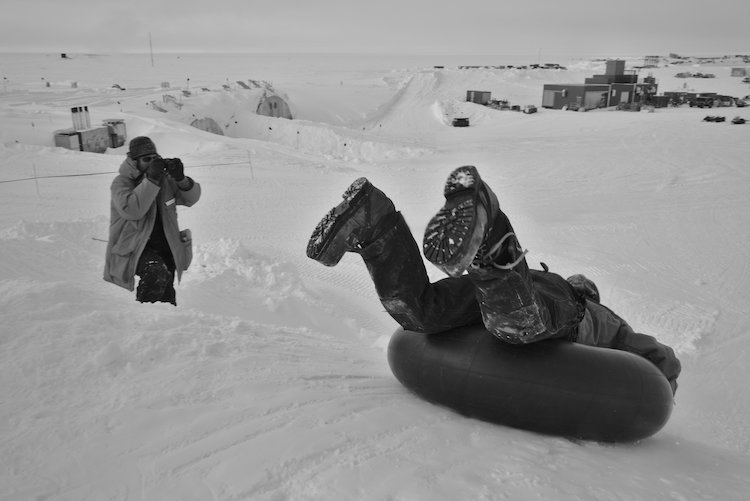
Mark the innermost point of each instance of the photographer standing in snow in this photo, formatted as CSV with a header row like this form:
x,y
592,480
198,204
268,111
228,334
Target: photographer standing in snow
x,y
144,237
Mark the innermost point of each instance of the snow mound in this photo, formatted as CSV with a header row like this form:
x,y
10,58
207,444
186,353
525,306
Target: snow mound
x,y
255,287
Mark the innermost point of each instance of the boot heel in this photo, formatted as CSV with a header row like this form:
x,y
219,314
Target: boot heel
x,y
462,178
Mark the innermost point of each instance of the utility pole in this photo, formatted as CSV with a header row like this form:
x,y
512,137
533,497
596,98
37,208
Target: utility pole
x,y
151,49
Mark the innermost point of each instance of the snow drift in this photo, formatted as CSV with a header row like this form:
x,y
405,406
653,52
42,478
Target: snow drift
x,y
269,380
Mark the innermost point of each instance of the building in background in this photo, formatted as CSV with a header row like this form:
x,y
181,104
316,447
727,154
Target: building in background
x,y
617,87
478,96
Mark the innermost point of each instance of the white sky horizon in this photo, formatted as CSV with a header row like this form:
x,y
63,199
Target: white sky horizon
x,y
418,27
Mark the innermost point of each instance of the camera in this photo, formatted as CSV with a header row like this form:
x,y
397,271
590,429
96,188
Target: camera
x,y
171,163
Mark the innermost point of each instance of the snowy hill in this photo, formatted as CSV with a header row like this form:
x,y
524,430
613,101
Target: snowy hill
x,y
270,380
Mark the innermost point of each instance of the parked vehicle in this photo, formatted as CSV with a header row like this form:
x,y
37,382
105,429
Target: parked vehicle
x,y
702,102
725,101
460,122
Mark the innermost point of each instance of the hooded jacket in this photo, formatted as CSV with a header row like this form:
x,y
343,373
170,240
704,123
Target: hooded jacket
x,y
133,207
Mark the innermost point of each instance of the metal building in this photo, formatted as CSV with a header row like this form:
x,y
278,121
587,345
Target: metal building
x,y
615,87
478,96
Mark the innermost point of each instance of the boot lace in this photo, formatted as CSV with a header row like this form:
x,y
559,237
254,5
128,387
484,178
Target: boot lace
x,y
489,256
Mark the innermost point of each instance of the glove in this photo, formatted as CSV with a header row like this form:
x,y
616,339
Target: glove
x,y
175,169
156,170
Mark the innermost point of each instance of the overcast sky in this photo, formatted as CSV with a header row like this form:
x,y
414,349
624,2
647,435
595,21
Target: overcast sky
x,y
586,27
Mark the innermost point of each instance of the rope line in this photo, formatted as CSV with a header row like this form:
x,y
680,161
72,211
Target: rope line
x,y
53,176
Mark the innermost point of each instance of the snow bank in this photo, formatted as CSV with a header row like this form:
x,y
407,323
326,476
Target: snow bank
x,y
269,380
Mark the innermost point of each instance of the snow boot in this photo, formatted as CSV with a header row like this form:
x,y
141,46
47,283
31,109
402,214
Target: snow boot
x,y
357,221
511,308
156,282
454,235
520,305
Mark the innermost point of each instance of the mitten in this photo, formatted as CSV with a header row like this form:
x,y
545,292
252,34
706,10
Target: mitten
x,y
156,170
175,169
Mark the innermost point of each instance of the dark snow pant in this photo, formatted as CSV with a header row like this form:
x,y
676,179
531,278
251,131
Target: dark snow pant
x,y
507,302
156,272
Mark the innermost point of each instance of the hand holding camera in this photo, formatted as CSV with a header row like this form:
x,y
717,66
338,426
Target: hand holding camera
x,y
171,166
156,170
175,169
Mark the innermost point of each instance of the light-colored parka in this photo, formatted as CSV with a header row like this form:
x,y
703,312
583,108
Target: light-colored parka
x,y
133,207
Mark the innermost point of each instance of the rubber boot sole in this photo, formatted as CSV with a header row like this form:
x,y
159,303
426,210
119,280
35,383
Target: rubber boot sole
x,y
453,236
327,244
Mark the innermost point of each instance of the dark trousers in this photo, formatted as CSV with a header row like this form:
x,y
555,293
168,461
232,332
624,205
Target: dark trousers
x,y
518,305
156,271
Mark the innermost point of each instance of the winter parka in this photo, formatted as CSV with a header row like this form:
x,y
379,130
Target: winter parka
x,y
133,207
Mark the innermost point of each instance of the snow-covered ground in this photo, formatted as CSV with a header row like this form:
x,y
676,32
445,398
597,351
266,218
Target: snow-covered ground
x,y
269,381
